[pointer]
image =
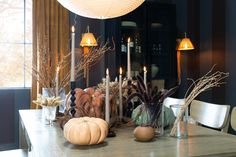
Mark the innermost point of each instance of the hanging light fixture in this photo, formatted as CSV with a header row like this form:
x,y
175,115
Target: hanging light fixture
x,y
185,44
88,39
101,9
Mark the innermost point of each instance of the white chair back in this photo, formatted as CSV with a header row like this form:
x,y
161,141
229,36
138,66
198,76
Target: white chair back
x,y
168,102
211,115
233,119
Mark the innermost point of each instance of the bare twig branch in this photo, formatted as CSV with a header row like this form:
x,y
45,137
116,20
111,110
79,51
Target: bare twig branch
x,y
206,82
45,72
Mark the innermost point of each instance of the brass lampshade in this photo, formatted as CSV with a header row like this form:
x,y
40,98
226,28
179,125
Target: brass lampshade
x,y
185,44
88,39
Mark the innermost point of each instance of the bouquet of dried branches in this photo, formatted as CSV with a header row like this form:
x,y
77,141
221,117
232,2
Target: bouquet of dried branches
x,y
45,73
208,81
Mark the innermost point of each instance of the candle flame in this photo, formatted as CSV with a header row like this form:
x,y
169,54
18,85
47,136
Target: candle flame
x,y
144,69
120,71
128,39
73,29
107,71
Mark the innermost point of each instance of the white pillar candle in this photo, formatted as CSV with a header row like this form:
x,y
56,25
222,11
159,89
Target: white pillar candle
x,y
72,72
120,94
107,107
128,60
145,76
57,80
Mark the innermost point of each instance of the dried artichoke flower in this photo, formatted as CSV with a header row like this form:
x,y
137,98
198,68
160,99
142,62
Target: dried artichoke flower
x,y
47,101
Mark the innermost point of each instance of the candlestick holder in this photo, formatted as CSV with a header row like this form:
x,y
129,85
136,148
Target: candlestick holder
x,y
130,105
111,133
72,98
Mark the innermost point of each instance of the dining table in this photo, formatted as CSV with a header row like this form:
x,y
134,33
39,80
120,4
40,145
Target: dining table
x,y
43,140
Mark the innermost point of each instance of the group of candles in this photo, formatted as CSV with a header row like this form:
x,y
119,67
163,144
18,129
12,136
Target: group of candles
x,y
107,97
107,94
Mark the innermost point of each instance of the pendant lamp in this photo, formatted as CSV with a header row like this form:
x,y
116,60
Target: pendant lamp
x,y
88,39
101,9
185,44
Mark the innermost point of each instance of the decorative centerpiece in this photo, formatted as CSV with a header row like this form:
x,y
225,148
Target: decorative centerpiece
x,y
149,112
206,82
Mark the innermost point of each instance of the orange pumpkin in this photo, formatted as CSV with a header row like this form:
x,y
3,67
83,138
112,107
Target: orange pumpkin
x,y
85,130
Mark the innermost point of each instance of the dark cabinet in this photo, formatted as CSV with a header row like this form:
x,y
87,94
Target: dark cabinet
x,y
161,42
152,31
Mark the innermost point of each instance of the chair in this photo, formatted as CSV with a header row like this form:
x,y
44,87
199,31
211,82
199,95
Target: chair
x,y
211,115
233,119
172,101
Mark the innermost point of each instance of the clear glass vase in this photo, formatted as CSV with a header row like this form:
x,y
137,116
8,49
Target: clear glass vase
x,y
49,113
182,125
50,92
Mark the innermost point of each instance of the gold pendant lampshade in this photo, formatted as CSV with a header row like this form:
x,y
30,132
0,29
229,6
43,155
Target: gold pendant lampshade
x,y
101,9
185,44
88,39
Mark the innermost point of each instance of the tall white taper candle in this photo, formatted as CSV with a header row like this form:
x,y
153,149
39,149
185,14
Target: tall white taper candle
x,y
120,94
145,76
107,108
57,80
72,72
128,60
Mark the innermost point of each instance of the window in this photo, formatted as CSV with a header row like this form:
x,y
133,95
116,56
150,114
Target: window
x,y
15,43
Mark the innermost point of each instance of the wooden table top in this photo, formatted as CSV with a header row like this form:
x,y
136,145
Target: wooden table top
x,y
49,141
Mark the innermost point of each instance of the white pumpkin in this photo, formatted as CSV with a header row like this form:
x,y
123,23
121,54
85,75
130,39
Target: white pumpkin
x,y
86,130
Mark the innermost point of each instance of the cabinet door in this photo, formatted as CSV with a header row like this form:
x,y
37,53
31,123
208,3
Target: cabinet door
x,y
133,26
161,32
152,31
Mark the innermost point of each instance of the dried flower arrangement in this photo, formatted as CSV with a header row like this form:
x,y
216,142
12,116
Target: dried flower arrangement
x,y
151,98
47,101
206,82
45,73
113,87
91,102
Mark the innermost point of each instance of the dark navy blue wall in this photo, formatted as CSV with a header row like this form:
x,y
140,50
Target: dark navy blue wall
x,y
11,100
